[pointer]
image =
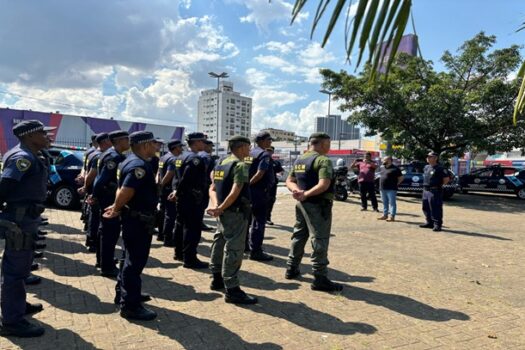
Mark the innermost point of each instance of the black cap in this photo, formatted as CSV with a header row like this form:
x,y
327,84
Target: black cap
x,y
174,143
196,136
208,142
103,136
239,138
141,137
432,154
93,138
270,149
159,140
319,135
29,126
118,134
263,135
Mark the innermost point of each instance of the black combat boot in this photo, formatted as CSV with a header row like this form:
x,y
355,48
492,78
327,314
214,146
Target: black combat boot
x,y
22,329
217,283
436,228
143,298
33,308
260,256
427,225
110,273
137,313
195,264
35,266
38,254
292,272
237,296
160,237
32,280
322,283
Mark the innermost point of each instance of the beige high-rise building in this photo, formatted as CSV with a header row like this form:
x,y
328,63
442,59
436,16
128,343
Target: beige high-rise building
x,y
235,113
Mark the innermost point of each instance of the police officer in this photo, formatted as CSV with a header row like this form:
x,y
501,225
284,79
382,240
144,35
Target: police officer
x,y
189,196
434,178
209,161
104,192
81,178
311,183
135,204
92,241
277,168
231,197
169,175
23,187
261,180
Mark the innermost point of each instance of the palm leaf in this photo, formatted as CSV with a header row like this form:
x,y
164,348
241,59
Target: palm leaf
x,y
519,107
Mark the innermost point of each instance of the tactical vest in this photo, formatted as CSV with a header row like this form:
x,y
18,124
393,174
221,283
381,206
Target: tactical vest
x,y
223,179
177,173
308,178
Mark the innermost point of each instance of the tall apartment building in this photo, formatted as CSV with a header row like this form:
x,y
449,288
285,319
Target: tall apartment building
x,y
337,128
235,113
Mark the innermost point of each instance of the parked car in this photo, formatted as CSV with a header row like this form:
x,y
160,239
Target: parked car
x,y
495,179
62,188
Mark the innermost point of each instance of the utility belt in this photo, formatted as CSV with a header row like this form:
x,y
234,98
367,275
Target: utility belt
x,y
15,238
432,188
148,219
20,210
197,196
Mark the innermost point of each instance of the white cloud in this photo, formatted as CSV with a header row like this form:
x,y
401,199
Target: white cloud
x,y
262,13
281,47
314,55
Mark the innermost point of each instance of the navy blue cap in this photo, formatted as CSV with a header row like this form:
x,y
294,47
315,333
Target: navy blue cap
x,y
208,142
174,143
93,138
118,134
432,154
263,135
196,136
29,126
159,140
103,136
141,137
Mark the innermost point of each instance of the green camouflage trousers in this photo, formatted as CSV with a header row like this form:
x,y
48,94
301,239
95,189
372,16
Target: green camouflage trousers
x,y
227,248
315,220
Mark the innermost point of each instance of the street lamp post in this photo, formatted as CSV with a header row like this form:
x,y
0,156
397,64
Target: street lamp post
x,y
218,76
329,93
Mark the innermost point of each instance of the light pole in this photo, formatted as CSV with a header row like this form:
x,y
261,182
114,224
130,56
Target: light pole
x,y
218,76
329,93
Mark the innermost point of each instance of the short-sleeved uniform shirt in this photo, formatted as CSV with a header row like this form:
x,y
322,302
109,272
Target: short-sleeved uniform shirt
x,y
30,174
192,175
107,166
261,160
389,177
323,166
137,173
433,175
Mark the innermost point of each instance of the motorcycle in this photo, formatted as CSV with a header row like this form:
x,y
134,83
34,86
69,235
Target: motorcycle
x,y
341,184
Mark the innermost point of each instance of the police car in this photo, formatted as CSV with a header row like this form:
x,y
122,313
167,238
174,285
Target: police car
x,y
66,164
413,179
496,179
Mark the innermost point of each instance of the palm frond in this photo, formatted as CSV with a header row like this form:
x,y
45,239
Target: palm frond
x,y
519,107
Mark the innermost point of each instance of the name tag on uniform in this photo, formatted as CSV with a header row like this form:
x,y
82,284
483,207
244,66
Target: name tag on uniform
x,y
118,174
248,160
218,175
178,163
299,168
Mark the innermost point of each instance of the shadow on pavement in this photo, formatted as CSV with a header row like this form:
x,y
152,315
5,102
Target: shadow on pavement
x,y
474,234
64,266
167,289
63,229
198,333
256,281
489,202
71,299
304,316
54,338
403,305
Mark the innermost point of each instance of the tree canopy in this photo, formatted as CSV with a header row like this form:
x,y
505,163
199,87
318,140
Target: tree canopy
x,y
467,107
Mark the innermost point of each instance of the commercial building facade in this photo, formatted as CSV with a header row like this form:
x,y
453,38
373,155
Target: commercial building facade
x,y
337,128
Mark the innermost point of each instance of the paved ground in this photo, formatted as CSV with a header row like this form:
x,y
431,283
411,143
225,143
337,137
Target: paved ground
x,y
405,287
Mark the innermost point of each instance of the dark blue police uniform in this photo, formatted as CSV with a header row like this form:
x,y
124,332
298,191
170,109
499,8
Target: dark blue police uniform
x,y
169,163
259,160
433,194
104,191
209,163
94,209
25,174
137,226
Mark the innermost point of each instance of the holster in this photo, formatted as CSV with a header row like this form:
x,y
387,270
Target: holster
x,y
15,238
148,220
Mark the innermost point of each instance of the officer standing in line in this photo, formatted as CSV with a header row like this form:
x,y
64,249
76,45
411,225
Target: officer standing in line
x,y
23,187
81,178
261,180
104,191
168,175
189,196
135,203
94,209
277,168
311,184
434,178
230,196
210,165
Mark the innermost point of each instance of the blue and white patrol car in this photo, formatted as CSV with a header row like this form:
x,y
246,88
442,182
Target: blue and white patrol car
x,y
494,179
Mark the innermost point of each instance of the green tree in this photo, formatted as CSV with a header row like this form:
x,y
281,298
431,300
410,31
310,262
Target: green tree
x,y
466,107
375,22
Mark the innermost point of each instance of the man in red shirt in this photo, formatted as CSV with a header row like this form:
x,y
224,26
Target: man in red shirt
x,y
366,177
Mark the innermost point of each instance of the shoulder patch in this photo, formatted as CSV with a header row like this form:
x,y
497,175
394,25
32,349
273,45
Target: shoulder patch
x,y
23,164
196,161
139,173
111,165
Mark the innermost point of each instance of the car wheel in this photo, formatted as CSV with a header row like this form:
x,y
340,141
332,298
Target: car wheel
x,y
521,193
65,197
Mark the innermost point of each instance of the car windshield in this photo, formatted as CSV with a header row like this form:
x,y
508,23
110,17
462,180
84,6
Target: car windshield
x,y
69,158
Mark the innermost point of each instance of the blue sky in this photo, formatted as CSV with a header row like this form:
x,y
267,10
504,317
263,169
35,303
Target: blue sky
x,y
149,60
